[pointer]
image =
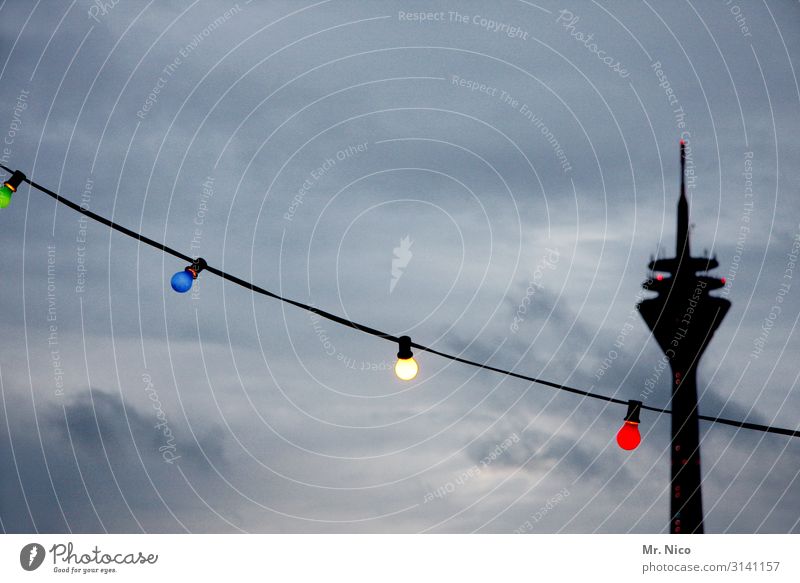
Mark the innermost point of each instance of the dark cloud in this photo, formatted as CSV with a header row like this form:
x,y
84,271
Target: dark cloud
x,y
95,464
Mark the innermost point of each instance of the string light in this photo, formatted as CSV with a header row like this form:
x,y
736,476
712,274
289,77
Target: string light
x,y
182,281
406,367
10,187
19,177
628,437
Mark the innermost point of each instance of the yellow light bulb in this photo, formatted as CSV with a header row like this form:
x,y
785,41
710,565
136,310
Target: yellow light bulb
x,y
406,368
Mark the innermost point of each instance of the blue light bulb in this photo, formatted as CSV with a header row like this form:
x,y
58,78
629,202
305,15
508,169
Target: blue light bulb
x,y
182,281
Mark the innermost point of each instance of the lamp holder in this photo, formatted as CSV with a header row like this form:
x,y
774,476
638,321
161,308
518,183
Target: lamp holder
x,y
633,411
405,348
15,180
197,266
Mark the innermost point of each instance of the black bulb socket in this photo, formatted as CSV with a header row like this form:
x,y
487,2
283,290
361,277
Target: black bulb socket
x,y
15,180
405,348
197,266
633,411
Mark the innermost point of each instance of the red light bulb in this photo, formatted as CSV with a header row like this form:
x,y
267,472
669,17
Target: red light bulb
x,y
628,437
660,277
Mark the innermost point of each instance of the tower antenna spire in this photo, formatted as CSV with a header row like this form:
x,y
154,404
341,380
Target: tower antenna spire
x,y
682,250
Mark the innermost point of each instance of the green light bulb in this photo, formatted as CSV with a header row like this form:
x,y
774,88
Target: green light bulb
x,y
5,196
10,187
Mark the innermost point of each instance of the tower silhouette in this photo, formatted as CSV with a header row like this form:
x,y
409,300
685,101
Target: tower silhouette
x,y
683,318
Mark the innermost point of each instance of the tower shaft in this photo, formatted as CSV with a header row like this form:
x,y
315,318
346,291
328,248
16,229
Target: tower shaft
x,y
686,502
683,317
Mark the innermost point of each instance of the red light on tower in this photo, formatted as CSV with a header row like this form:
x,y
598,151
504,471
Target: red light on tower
x,y
628,437
660,277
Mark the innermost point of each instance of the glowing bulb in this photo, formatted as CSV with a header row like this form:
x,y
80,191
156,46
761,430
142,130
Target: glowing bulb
x,y
406,368
628,436
182,281
9,188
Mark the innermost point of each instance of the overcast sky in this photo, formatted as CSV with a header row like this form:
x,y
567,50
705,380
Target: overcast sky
x,y
488,179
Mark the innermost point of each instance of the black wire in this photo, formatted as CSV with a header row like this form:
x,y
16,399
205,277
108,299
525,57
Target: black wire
x,y
103,220
374,332
748,425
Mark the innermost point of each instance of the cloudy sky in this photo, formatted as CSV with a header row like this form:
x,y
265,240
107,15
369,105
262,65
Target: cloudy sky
x,y
488,179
